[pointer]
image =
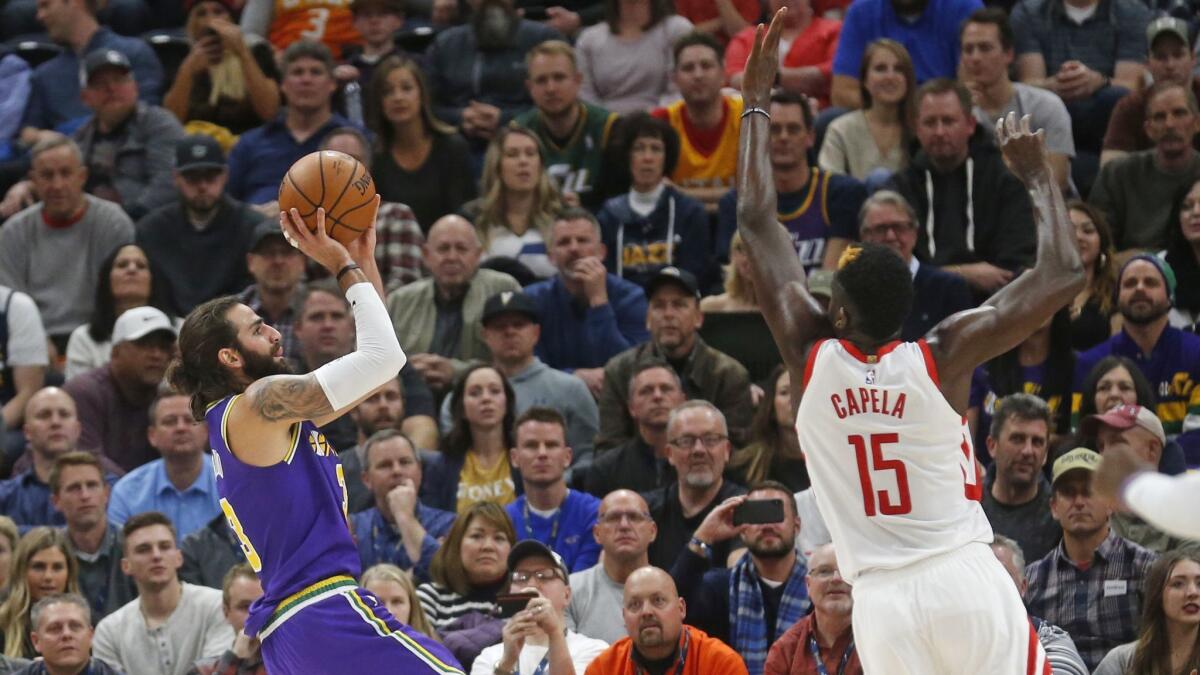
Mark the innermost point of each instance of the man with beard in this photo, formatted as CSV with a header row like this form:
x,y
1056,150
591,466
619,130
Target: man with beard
x,y
928,28
549,511
819,209
477,71
827,631
766,590
274,468
574,133
1138,192
1016,495
199,243
975,218
1167,356
698,439
658,641
1093,567
397,529
674,321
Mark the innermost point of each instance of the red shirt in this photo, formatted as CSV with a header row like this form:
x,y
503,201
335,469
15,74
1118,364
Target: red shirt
x,y
814,46
705,656
791,655
699,11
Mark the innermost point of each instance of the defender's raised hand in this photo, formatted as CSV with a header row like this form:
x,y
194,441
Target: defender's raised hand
x,y
1024,150
763,64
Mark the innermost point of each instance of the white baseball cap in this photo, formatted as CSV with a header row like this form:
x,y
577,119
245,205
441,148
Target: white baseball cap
x,y
137,323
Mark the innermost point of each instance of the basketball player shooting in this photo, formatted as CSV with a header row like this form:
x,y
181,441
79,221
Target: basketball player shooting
x,y
881,422
281,486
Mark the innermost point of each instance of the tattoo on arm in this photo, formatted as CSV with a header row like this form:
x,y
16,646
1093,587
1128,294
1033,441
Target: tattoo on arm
x,y
289,397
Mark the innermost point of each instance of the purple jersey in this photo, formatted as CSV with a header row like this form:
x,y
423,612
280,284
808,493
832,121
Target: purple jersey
x,y
806,217
289,517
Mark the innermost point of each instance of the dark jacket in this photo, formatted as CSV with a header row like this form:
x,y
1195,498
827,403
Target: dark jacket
x,y
707,374
936,295
1003,232
675,233
94,667
631,466
575,335
209,553
460,72
141,171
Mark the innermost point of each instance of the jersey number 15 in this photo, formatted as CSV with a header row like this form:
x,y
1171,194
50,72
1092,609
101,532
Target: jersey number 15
x,y
877,502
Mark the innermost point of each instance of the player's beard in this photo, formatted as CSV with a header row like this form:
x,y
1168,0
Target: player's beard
x,y
257,366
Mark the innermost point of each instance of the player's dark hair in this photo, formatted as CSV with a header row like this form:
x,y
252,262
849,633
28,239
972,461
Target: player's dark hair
x,y
1020,406
1141,386
459,440
447,566
146,519
1153,651
196,371
543,414
996,17
104,307
784,97
877,285
694,39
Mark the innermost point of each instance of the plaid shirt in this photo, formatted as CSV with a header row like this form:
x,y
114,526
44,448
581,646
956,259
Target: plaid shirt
x,y
291,346
398,245
1100,605
1116,32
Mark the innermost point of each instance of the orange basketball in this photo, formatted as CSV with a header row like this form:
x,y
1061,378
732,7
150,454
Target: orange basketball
x,y
338,183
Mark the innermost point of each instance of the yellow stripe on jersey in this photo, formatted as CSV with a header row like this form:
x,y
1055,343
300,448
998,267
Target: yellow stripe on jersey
x,y
400,636
287,459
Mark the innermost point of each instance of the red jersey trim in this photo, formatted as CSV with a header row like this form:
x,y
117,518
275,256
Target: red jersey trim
x,y
865,358
811,361
930,364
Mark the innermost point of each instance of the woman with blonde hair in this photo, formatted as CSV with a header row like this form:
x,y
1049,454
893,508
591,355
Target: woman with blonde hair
x,y
774,450
1093,312
8,545
739,288
395,589
42,566
419,160
1169,642
876,136
228,79
517,201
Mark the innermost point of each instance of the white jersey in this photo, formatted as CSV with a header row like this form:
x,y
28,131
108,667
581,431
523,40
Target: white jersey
x,y
892,464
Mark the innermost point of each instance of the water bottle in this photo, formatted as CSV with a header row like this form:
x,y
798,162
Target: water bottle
x,y
354,111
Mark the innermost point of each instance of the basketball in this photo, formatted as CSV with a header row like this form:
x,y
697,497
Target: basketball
x,y
338,183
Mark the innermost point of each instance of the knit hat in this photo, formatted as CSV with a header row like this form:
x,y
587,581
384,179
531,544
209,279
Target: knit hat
x,y
1164,268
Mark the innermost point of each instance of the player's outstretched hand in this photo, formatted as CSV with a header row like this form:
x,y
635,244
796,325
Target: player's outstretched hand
x,y
763,64
1024,150
316,244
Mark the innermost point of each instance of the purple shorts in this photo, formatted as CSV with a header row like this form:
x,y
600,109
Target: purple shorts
x,y
350,631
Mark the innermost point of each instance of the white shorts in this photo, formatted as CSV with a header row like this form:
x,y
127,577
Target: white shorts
x,y
954,613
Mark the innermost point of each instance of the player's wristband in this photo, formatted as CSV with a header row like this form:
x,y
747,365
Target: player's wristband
x,y
759,111
342,272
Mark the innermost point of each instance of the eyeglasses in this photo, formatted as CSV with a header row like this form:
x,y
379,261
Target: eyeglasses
x,y
615,517
824,573
710,441
541,575
880,229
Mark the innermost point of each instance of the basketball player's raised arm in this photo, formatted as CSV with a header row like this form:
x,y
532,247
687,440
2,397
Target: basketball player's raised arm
x,y
794,317
964,340
339,385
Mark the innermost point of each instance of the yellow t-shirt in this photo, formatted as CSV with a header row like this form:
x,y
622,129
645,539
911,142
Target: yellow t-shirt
x,y
477,484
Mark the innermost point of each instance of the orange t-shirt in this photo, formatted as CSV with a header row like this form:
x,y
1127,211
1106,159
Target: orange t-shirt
x,y
705,656
815,46
327,21
707,157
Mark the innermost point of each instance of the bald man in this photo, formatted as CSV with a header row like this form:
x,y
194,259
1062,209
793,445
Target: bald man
x,y
624,530
656,634
437,319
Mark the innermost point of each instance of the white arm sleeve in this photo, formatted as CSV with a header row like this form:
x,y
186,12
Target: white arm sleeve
x,y
1170,503
377,359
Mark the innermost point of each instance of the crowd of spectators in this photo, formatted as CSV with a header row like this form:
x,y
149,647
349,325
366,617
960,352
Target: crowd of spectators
x,y
590,392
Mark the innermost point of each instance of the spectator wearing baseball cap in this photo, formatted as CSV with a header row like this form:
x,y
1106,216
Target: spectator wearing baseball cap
x,y
1093,567
674,319
277,292
229,79
511,327
200,239
127,144
536,639
114,400
1167,356
1138,429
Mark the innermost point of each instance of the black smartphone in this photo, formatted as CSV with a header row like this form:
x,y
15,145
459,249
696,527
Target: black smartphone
x,y
535,13
758,512
511,603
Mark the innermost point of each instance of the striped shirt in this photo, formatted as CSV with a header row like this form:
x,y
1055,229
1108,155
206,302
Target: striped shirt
x,y
444,606
1099,604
